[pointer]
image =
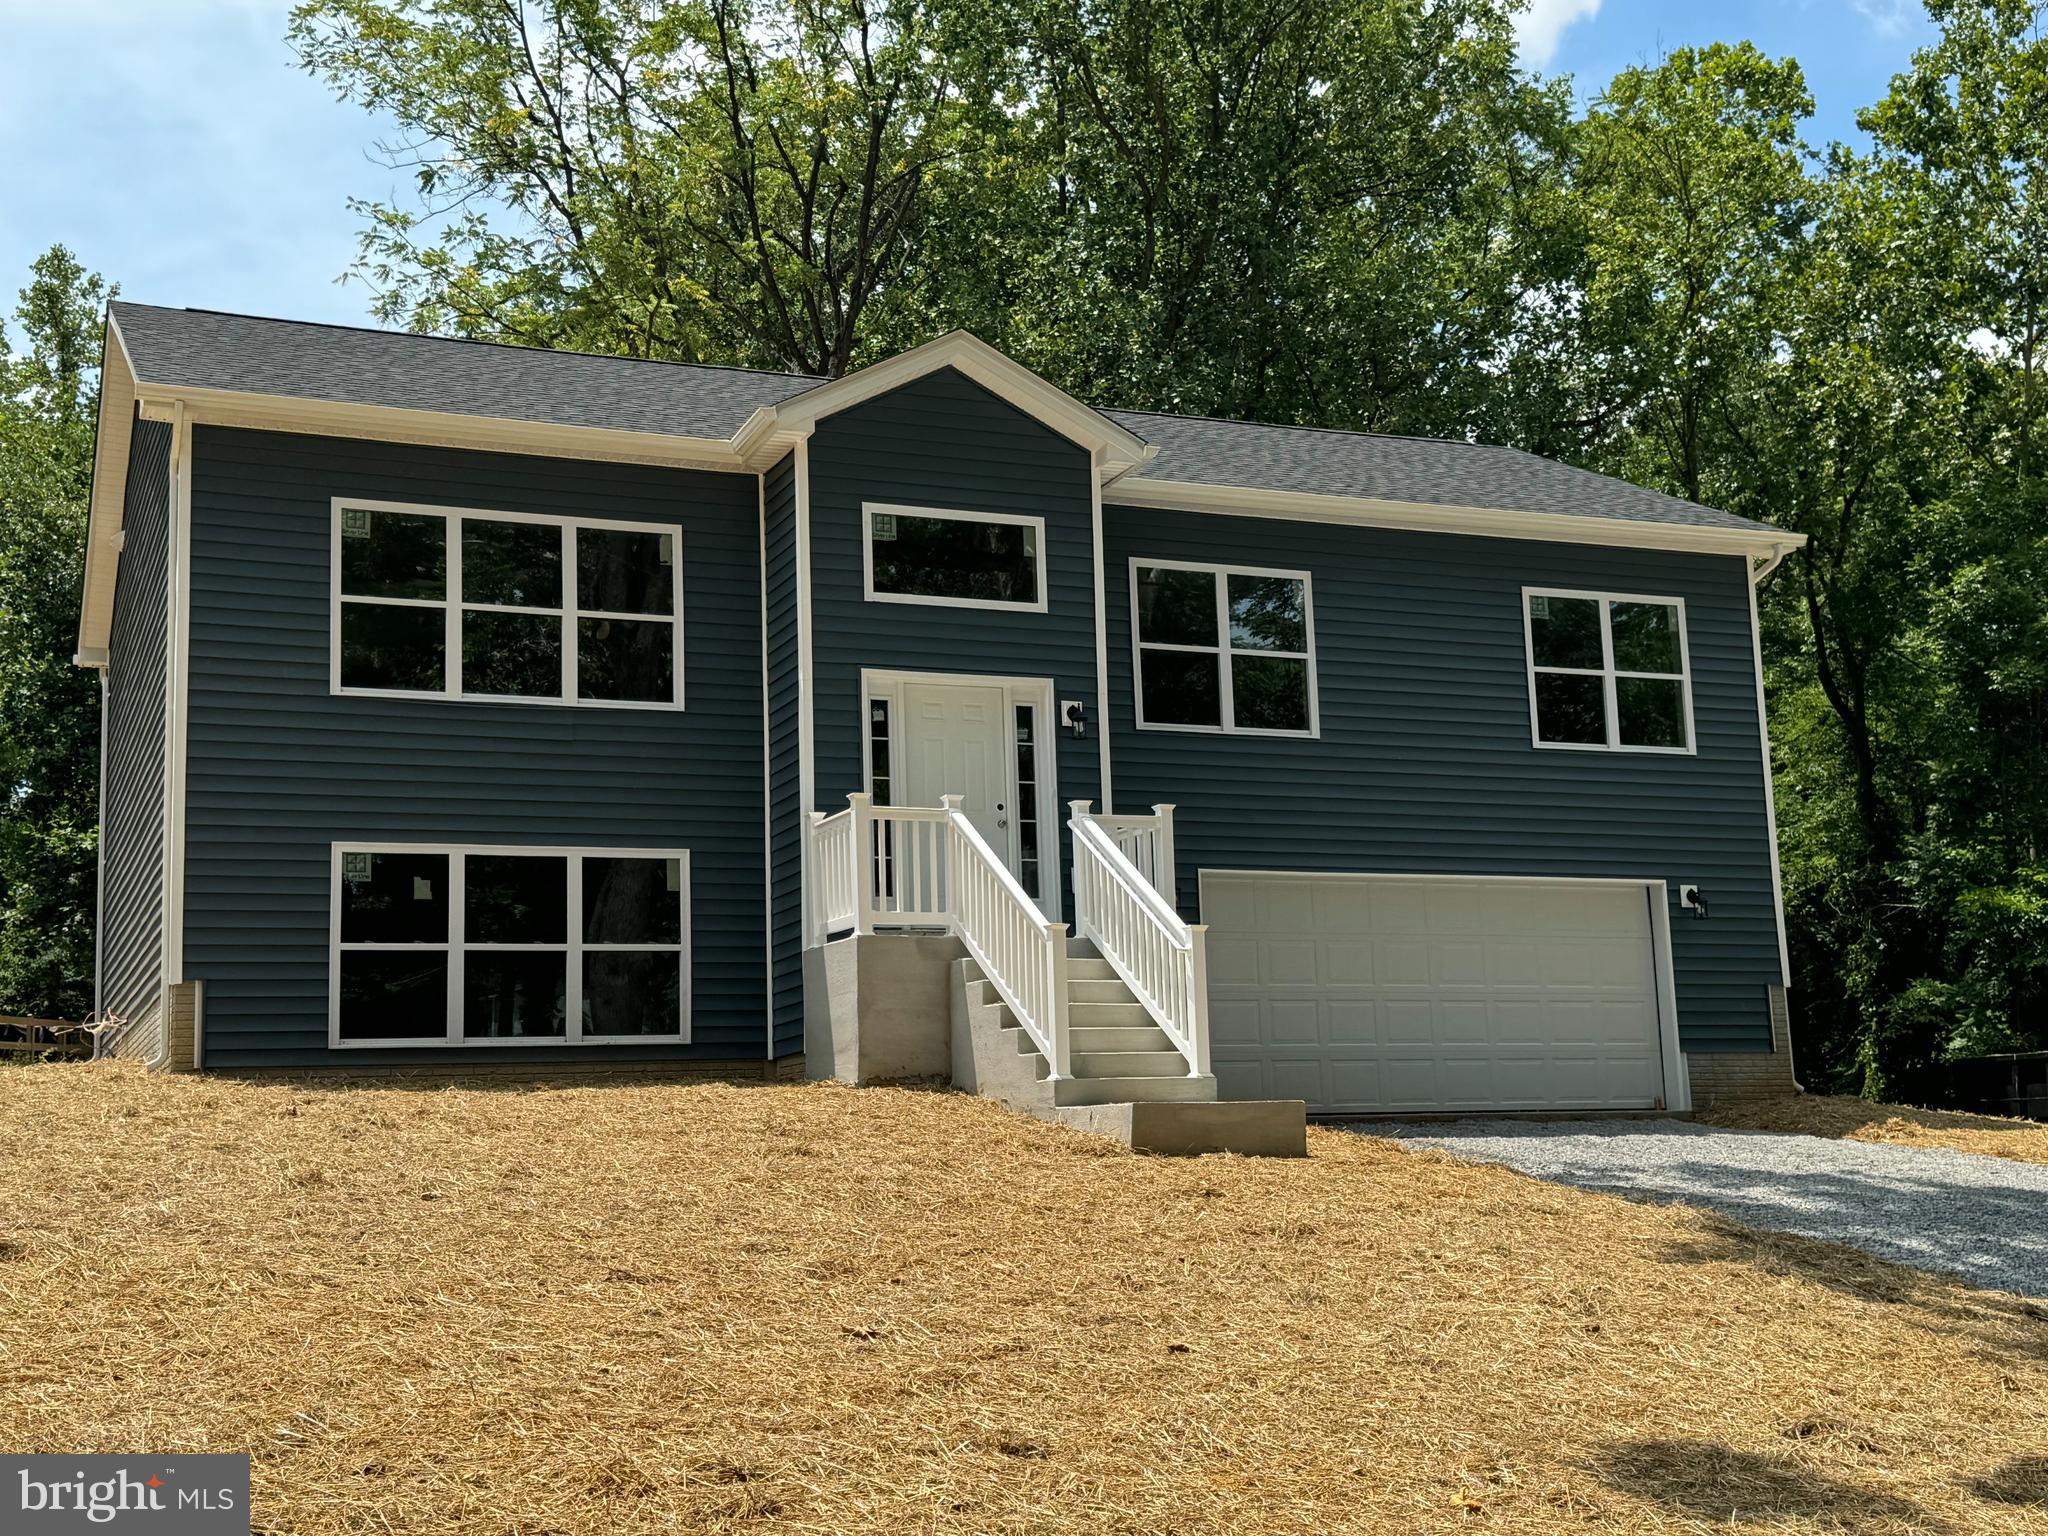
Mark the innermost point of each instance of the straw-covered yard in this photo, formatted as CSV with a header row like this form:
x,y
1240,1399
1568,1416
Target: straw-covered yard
x,y
2024,1141
664,1307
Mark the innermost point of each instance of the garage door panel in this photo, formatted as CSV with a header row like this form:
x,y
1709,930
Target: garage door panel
x,y
1386,993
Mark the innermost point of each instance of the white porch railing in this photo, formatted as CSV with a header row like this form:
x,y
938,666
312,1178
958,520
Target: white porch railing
x,y
1147,841
917,866
1119,905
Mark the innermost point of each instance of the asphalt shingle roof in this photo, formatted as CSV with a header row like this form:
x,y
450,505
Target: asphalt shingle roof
x,y
1207,451
211,350
205,349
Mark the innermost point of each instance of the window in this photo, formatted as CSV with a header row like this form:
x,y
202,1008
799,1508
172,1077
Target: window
x,y
954,559
1025,722
509,946
1223,648
501,605
1608,672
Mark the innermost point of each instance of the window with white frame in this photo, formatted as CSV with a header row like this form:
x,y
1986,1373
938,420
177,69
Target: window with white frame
x,y
481,946
1223,648
953,559
1608,672
499,605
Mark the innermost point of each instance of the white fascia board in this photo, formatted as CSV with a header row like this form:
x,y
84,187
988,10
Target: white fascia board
x,y
394,424
1427,517
113,433
1115,449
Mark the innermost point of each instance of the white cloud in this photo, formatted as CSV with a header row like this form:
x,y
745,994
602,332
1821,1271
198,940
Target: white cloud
x,y
1542,23
1888,18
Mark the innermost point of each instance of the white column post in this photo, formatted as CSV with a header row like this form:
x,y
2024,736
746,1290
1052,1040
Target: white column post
x,y
866,859
944,854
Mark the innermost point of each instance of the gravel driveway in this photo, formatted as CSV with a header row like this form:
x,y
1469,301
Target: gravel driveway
x,y
1983,1219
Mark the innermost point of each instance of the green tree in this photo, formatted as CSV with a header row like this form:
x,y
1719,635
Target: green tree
x,y
49,709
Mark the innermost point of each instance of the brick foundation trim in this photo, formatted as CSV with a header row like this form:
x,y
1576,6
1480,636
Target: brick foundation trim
x,y
1737,1076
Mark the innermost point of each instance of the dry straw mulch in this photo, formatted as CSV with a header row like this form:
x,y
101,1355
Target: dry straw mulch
x,y
1815,1114
660,1307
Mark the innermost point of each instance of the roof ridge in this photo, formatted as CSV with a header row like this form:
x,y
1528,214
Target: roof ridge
x,y
1291,426
469,341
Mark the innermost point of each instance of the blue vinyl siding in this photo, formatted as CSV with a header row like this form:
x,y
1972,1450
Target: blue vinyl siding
x,y
279,768
944,441
132,820
785,791
1425,762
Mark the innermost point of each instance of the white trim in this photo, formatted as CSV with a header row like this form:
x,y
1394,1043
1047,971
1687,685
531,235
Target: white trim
x,y
870,510
1223,651
767,796
806,671
113,436
452,607
1657,891
1118,449
1041,693
1101,643
1607,672
1428,517
445,429
177,694
456,947
1763,731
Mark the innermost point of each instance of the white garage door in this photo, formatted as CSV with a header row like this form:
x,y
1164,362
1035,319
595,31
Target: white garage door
x,y
1382,993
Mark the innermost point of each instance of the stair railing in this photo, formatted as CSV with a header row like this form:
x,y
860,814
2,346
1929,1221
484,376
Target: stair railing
x,y
1163,960
1147,841
919,866
1023,955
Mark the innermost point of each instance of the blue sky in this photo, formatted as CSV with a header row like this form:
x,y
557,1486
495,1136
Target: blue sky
x,y
174,146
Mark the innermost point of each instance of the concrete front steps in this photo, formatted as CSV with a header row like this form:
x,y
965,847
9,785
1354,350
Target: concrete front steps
x,y
1128,1081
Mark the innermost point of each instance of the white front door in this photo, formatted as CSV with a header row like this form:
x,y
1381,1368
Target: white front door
x,y
955,741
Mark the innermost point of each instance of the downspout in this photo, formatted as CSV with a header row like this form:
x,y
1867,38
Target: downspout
x,y
1759,570
99,889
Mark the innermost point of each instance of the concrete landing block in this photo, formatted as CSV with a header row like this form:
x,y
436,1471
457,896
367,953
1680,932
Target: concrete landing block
x,y
1249,1127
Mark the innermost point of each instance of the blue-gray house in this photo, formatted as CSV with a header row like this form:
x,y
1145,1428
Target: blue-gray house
x,y
466,703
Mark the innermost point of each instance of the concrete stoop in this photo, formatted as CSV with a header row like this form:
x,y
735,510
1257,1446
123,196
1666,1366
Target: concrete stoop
x,y
1128,1082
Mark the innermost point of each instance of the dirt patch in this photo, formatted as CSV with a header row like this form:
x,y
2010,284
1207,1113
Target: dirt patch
x,y
668,1307
1814,1114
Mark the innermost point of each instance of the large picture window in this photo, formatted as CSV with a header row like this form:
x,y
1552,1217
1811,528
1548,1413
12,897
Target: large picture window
x,y
1223,648
1608,672
953,559
509,946
499,605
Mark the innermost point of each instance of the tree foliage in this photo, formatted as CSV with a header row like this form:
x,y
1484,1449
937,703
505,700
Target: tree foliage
x,y
49,709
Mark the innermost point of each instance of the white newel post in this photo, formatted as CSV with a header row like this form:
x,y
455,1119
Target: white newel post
x,y
865,859
1200,957
814,886
1056,1001
1164,879
1079,811
946,855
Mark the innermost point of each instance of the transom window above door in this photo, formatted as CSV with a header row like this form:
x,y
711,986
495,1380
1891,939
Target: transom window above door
x,y
1608,672
953,559
1223,648
455,603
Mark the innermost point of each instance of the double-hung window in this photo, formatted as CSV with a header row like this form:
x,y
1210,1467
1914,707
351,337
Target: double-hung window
x,y
462,604
1608,672
953,559
482,946
1223,648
